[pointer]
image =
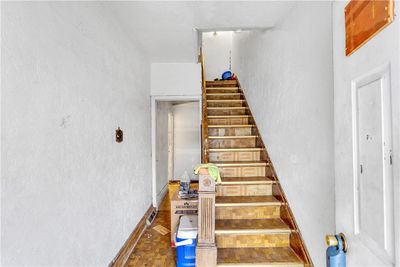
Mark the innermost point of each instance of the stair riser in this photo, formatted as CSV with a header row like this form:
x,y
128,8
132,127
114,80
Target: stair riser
x,y
252,240
221,84
223,91
232,143
247,212
225,104
244,190
230,121
246,171
223,96
226,112
230,131
234,156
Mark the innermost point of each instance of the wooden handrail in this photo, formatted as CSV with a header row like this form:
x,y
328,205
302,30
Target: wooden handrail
x,y
206,251
204,121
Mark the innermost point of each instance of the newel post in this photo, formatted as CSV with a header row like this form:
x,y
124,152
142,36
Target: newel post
x,y
206,251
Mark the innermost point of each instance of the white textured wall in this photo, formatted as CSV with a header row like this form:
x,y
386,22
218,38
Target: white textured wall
x,y
70,194
217,53
187,151
380,50
286,74
175,79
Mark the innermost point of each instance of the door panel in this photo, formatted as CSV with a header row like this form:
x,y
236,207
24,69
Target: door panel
x,y
373,187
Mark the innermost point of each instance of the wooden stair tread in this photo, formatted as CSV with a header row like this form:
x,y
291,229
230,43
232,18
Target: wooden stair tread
x,y
231,126
245,149
223,94
241,163
258,256
232,136
247,180
251,226
222,81
226,87
225,100
227,116
246,201
224,108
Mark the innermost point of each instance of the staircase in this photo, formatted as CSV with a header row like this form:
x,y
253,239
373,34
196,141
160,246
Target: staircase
x,y
253,221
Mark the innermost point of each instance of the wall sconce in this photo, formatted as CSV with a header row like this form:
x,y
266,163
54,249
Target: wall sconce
x,y
119,135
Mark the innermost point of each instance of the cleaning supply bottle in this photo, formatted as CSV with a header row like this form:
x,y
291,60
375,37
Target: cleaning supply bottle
x,y
184,184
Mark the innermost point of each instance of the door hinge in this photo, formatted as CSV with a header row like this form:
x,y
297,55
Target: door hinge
x,y
361,168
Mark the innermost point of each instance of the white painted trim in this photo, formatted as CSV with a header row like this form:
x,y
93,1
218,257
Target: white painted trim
x,y
154,99
170,145
161,195
381,73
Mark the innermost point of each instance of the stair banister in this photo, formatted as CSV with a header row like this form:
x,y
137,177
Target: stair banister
x,y
206,251
204,123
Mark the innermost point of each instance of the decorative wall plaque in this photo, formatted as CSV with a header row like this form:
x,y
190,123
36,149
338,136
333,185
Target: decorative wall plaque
x,y
365,19
119,135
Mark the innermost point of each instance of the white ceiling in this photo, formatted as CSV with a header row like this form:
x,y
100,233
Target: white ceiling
x,y
166,30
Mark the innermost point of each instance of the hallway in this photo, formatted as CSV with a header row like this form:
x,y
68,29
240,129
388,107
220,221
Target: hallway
x,y
85,85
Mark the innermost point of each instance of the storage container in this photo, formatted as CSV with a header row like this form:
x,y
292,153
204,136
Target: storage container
x,y
186,238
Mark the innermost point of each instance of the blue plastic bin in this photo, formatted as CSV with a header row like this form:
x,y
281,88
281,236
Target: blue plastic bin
x,y
186,238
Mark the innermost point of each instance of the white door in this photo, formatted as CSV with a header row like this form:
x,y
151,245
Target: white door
x,y
374,219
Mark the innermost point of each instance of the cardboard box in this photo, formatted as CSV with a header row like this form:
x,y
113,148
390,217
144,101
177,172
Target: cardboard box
x,y
181,207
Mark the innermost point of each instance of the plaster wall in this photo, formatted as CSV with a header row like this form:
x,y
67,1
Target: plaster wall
x,y
287,76
380,50
71,195
175,79
217,48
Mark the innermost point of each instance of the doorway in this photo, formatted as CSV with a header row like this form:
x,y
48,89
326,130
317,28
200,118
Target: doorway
x,y
176,141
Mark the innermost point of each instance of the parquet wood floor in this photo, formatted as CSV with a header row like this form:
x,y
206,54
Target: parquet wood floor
x,y
153,248
283,255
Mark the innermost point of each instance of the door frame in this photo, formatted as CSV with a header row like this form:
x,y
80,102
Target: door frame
x,y
171,144
381,73
154,99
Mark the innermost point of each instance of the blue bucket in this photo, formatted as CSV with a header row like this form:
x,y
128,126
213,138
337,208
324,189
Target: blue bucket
x,y
186,241
226,75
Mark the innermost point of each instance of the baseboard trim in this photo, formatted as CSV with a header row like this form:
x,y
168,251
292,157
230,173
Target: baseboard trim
x,y
123,255
161,195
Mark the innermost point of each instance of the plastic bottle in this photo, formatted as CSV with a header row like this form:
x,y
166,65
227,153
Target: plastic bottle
x,y
184,183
